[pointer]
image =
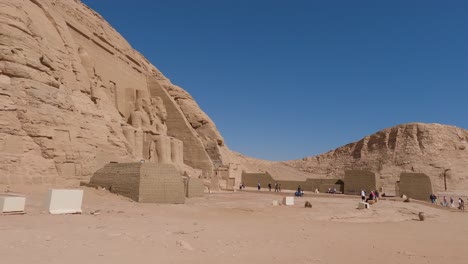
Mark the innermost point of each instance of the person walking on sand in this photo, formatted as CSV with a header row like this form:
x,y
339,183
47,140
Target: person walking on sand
x,y
276,187
444,202
461,204
451,202
269,186
259,186
363,195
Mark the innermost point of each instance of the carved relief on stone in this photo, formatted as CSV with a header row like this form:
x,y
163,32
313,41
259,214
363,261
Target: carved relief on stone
x,y
139,136
159,115
177,151
147,135
140,118
87,61
129,134
149,114
97,88
163,149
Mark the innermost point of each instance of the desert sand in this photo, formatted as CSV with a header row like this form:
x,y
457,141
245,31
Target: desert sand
x,y
232,227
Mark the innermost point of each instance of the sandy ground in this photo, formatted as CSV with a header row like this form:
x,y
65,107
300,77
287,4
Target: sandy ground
x,y
240,227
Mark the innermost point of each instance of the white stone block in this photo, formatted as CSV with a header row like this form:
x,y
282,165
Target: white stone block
x,y
11,204
288,200
363,205
64,201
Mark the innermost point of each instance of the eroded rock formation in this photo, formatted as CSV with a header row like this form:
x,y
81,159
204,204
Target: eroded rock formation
x,y
439,151
74,96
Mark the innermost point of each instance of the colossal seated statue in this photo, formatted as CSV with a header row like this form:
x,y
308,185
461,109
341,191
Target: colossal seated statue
x,y
147,135
140,118
97,88
159,115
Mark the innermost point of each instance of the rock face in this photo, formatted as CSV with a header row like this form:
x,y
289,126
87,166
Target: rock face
x,y
439,151
74,95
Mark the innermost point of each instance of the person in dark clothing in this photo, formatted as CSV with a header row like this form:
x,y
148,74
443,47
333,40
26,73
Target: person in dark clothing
x,y
276,187
258,186
371,196
299,192
461,204
269,187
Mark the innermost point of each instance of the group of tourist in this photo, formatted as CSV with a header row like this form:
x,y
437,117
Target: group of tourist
x,y
277,187
444,202
299,192
373,196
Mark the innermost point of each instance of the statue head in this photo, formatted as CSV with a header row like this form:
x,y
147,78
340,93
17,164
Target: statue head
x,y
87,61
146,105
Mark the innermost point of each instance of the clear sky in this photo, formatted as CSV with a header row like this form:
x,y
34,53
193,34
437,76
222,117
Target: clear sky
x,y
288,79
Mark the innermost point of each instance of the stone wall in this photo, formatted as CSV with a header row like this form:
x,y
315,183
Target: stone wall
x,y
161,183
142,182
120,178
194,187
415,185
357,180
251,180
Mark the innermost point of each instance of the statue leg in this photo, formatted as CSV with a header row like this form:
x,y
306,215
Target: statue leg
x,y
139,144
129,133
163,149
177,151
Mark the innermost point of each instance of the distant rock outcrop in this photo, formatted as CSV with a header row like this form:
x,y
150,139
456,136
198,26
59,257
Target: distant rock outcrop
x,y
440,151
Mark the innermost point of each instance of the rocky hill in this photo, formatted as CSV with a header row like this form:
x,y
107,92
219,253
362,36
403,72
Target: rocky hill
x,y
440,151
74,95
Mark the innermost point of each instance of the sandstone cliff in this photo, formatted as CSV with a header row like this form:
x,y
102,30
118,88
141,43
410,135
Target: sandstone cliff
x,y
74,95
440,151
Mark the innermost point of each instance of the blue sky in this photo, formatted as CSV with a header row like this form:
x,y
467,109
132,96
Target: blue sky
x,y
287,79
